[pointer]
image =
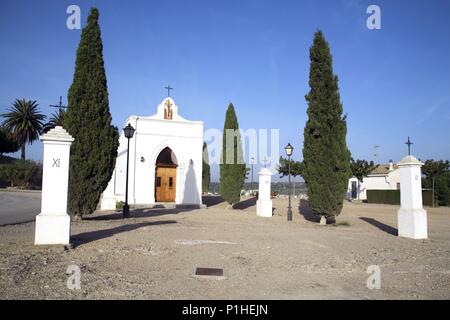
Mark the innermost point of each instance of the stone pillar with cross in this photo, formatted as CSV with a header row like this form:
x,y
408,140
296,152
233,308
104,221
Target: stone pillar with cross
x,y
412,218
53,222
264,204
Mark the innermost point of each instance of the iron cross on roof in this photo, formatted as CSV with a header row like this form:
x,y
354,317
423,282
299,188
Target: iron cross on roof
x,y
409,143
60,106
168,88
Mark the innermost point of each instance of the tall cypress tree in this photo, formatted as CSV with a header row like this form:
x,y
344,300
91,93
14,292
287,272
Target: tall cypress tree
x,y
232,168
88,120
326,166
206,174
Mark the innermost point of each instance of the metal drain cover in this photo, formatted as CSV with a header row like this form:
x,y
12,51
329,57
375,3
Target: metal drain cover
x,y
211,273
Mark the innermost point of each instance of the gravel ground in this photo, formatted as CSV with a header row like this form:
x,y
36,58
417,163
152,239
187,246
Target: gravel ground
x,y
153,255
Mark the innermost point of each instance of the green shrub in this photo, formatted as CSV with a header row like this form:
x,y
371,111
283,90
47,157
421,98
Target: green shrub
x,y
427,197
393,197
22,173
383,196
119,205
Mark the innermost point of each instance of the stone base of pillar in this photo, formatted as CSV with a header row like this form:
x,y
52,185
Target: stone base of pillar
x,y
264,208
52,229
108,203
412,223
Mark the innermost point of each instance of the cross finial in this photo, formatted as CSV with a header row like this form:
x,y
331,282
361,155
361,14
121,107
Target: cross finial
x,y
60,106
409,143
168,88
265,162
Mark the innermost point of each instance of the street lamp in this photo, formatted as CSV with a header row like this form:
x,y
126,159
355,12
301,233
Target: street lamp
x,y
289,149
252,162
129,132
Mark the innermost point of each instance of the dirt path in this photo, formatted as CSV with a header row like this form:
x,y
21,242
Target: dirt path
x,y
153,255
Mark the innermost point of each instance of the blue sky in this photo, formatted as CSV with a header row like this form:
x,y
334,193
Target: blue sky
x,y
394,82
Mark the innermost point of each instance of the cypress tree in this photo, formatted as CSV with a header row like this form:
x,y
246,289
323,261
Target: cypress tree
x,y
232,167
88,120
206,174
326,166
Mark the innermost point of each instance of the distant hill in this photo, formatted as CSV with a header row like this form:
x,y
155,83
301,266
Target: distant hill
x,y
278,187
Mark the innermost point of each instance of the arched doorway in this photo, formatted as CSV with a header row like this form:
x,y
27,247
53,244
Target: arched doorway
x,y
166,176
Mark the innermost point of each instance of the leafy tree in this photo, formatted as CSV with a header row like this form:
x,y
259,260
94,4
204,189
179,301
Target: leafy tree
x,y
326,164
361,169
206,174
24,122
283,168
22,173
88,120
7,143
56,119
438,178
232,168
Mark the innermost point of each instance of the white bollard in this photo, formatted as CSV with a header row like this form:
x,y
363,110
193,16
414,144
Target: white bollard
x,y
264,204
53,223
412,218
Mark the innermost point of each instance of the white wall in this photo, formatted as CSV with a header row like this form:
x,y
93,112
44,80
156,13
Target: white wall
x,y
375,182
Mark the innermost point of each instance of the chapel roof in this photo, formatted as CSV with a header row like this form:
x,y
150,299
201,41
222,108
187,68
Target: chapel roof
x,y
383,169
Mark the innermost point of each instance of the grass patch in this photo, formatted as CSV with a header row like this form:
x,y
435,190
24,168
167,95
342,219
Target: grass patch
x,y
119,205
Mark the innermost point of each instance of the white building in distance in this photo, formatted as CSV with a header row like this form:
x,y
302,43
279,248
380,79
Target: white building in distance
x,y
165,163
383,177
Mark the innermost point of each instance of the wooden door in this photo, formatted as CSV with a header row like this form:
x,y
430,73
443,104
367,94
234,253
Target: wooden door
x,y
165,184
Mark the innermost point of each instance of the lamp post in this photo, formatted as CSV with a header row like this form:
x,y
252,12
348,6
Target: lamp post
x,y
289,149
252,162
129,132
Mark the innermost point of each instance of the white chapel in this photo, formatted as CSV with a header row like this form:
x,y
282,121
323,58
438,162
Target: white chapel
x,y
165,164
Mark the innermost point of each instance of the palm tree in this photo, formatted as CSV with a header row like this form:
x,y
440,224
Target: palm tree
x,y
24,122
56,119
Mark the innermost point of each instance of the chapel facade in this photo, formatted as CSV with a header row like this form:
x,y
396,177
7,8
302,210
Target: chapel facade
x,y
166,159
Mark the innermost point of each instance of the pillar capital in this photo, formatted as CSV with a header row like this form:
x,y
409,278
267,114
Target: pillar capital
x,y
410,161
57,134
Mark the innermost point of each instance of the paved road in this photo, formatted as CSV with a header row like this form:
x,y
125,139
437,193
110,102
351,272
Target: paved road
x,y
17,207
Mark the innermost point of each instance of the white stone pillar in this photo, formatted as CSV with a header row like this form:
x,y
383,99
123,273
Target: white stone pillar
x,y
264,204
412,218
53,223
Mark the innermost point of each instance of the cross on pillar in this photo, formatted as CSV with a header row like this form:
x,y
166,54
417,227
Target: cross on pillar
x,y
60,106
168,88
265,162
409,143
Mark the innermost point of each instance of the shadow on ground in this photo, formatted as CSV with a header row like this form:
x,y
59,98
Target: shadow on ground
x,y
91,236
307,212
138,213
210,201
384,227
245,204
